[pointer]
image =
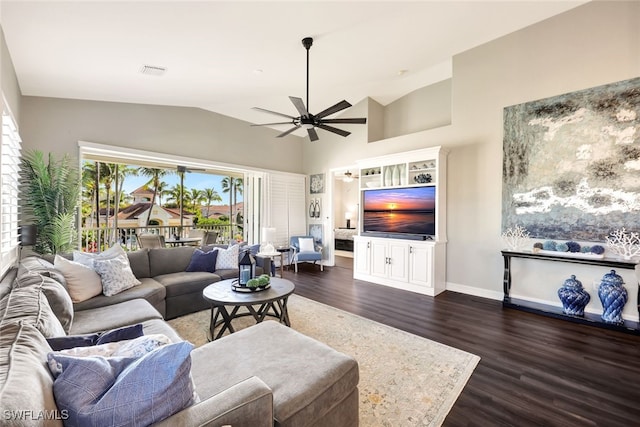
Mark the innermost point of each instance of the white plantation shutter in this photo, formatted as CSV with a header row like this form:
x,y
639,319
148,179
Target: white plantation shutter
x,y
286,201
9,176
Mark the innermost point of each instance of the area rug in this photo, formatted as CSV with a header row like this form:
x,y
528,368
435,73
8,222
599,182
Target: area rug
x,y
405,380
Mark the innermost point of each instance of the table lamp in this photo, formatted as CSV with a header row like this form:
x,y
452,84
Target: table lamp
x,y
268,234
348,216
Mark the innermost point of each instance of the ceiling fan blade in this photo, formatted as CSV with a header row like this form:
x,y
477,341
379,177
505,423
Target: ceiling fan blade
x,y
273,112
334,130
270,124
299,104
285,133
313,135
333,109
359,121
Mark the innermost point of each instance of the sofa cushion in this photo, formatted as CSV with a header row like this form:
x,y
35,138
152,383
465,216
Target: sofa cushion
x,y
187,282
169,260
125,348
323,376
113,391
87,258
27,302
148,289
41,266
113,316
139,262
158,326
83,282
98,338
25,381
203,261
116,275
57,297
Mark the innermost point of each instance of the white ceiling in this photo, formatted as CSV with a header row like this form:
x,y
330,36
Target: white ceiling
x,y
213,50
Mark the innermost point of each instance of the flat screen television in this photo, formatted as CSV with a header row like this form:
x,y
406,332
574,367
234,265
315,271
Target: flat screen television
x,y
409,211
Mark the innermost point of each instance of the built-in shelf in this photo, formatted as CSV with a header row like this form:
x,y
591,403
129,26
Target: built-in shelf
x,y
556,312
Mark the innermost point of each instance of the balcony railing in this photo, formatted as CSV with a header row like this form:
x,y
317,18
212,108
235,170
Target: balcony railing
x,y
99,239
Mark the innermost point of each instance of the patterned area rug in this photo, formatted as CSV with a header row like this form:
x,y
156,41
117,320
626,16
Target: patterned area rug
x,y
405,380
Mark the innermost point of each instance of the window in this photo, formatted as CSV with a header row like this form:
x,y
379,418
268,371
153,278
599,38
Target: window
x,y
9,176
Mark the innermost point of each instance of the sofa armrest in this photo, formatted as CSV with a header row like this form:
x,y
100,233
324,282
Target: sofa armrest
x,y
246,404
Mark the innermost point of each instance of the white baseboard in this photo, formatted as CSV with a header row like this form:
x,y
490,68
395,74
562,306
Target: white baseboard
x,y
478,292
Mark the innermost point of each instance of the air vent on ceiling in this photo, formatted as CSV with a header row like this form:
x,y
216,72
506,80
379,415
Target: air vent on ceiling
x,y
153,70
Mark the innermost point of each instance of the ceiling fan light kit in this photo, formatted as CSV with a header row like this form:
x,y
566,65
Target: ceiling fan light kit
x,y
310,121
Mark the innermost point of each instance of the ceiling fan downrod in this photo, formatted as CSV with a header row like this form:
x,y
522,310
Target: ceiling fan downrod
x,y
307,42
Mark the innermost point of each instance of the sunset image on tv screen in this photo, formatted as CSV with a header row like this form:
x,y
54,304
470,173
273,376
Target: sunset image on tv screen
x,y
400,210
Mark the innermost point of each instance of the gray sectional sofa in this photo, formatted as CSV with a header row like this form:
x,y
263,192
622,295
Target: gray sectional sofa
x,y
265,375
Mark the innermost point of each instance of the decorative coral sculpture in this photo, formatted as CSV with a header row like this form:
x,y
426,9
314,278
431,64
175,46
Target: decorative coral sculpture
x,y
515,237
624,243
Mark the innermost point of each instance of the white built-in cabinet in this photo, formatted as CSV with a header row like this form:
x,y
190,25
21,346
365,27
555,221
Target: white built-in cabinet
x,y
413,265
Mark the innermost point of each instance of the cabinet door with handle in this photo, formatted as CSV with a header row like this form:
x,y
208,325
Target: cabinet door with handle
x,y
420,265
362,255
397,261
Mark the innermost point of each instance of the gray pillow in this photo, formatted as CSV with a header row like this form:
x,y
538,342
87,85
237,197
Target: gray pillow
x,y
57,296
27,302
39,265
25,381
146,389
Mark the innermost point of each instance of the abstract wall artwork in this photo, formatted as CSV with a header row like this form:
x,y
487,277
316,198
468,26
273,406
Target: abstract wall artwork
x,y
315,230
571,164
316,183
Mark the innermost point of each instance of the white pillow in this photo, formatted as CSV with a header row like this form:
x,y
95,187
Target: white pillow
x,y
127,348
227,258
82,281
87,258
306,244
116,275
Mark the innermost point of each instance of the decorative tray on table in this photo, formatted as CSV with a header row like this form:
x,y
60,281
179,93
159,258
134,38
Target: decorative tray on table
x,y
248,289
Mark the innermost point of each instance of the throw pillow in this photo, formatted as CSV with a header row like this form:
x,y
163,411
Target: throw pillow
x,y
116,275
203,261
129,348
27,302
87,258
227,258
306,244
114,391
82,281
57,296
119,334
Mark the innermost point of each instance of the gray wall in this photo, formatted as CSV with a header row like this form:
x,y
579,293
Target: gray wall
x,y
56,125
588,46
8,80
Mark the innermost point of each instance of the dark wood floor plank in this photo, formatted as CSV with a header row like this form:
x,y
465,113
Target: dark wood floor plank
x,y
535,370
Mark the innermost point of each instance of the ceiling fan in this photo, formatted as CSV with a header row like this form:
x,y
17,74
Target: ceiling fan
x,y
312,121
348,176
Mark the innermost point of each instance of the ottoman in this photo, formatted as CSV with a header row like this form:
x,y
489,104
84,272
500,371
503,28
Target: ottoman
x,y
312,384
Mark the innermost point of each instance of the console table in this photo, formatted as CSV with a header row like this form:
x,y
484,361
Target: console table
x,y
553,311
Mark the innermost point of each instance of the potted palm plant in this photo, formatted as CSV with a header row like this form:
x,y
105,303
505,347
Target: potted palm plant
x,y
49,192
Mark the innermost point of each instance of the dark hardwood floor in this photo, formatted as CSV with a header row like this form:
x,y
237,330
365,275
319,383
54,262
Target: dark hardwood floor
x,y
535,370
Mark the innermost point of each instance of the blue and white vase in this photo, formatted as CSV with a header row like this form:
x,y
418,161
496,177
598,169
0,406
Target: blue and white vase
x,y
613,296
573,296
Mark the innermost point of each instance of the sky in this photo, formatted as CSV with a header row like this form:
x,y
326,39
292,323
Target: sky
x,y
417,198
191,180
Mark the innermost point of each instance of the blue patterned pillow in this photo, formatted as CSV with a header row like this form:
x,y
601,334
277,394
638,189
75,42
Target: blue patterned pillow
x,y
106,391
120,334
203,261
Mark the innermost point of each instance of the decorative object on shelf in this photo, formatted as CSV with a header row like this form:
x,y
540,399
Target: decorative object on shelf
x,y
246,268
316,183
624,243
395,175
573,296
423,178
597,249
562,247
537,247
387,176
573,246
515,237
403,175
549,245
613,296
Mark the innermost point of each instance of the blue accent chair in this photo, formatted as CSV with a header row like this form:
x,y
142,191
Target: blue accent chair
x,y
311,253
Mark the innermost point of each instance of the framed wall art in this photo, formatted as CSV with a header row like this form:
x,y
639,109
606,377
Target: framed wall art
x,y
571,163
316,183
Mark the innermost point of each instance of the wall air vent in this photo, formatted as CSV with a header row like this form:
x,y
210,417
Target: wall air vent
x,y
153,70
